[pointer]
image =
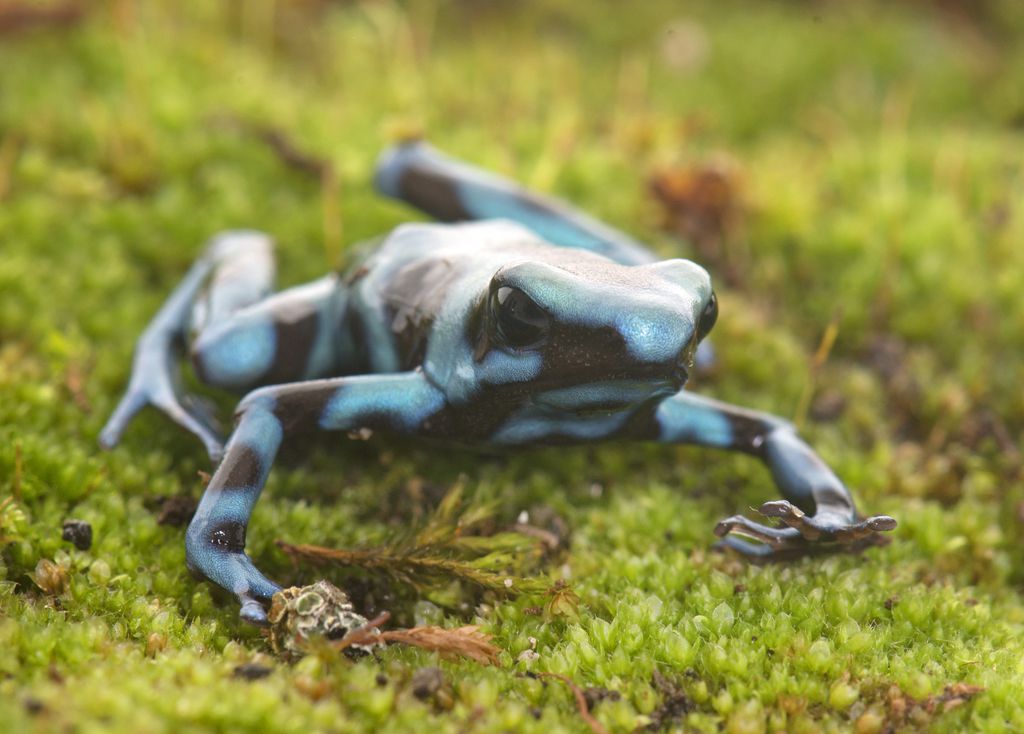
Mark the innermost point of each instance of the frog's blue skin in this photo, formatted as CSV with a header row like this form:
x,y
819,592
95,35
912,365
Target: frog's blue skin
x,y
427,337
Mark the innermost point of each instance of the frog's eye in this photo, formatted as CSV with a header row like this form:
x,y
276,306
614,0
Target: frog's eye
x,y
520,322
708,317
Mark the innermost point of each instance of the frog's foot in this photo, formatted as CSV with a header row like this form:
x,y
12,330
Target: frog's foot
x,y
252,610
254,591
801,534
152,385
213,551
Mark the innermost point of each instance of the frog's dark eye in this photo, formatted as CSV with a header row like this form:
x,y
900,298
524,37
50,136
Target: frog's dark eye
x,y
708,317
520,322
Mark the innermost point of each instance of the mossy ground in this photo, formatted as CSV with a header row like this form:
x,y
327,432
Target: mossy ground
x,y
882,171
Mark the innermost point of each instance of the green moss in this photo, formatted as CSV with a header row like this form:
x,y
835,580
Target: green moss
x,y
881,172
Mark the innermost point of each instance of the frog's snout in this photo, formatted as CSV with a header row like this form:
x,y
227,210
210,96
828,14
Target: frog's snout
x,y
681,369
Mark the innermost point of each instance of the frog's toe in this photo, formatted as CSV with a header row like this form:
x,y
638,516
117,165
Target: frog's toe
x,y
754,551
800,534
130,404
197,419
829,526
742,526
865,529
794,517
253,612
195,425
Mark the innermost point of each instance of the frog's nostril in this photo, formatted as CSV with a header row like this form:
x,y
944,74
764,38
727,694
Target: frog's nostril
x,y
681,372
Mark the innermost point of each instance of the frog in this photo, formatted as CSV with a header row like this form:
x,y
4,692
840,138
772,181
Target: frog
x,y
514,320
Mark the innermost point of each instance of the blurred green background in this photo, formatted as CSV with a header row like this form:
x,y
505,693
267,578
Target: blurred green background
x,y
851,173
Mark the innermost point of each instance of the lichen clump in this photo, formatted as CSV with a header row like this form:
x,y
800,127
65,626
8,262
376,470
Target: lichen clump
x,y
300,616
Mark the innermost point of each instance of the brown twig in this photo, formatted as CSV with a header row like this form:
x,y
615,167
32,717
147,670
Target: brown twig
x,y
581,701
74,380
818,360
334,227
281,144
16,17
94,483
549,540
363,635
290,153
16,483
8,156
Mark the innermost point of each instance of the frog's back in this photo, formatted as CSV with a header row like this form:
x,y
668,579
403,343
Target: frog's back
x,y
400,294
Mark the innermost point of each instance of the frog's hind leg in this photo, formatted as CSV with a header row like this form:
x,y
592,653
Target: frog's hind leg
x,y
452,191
155,378
241,336
286,337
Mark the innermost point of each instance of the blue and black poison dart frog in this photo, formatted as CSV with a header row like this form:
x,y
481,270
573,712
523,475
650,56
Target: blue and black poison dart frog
x,y
521,322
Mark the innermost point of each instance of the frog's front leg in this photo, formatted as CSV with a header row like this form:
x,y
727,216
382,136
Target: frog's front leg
x,y
215,541
818,513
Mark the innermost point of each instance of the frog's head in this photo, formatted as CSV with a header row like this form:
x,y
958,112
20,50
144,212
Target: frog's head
x,y
587,322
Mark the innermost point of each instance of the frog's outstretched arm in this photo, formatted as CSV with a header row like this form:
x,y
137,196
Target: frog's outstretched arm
x,y
215,541
451,191
241,336
818,512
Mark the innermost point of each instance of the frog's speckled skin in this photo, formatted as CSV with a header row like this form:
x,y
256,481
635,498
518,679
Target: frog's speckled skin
x,y
536,325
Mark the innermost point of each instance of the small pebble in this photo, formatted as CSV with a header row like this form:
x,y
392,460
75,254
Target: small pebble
x,y
426,682
252,671
78,532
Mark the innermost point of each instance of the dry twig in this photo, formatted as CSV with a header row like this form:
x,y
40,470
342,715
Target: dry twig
x,y
16,17
581,701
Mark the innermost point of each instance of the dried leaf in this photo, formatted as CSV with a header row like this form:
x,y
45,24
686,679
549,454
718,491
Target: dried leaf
x,y
953,695
903,709
468,641
674,706
562,602
702,203
51,578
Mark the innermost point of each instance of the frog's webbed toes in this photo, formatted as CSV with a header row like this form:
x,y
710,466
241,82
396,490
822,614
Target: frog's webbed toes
x,y
131,403
197,419
801,534
827,526
252,611
740,525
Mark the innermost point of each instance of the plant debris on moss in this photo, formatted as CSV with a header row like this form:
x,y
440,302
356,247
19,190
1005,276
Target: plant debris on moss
x,y
851,174
451,547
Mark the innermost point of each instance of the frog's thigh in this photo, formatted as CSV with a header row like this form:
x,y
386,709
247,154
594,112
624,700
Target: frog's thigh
x,y
215,542
286,337
452,191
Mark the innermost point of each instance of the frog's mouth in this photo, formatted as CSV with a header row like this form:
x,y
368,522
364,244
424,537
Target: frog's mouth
x,y
608,396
